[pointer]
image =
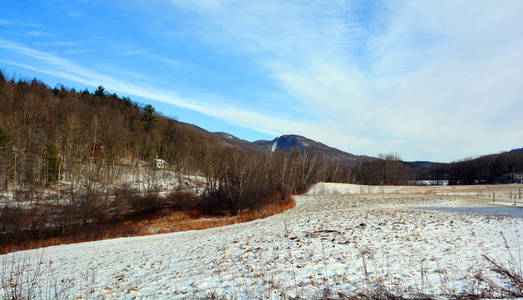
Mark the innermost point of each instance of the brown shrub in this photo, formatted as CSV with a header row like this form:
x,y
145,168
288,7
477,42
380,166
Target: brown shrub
x,y
181,201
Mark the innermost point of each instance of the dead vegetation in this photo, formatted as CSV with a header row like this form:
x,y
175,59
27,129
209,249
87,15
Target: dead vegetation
x,y
509,275
23,229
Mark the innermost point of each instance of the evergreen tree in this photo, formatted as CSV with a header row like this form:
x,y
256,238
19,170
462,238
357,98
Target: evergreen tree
x,y
52,165
148,113
100,92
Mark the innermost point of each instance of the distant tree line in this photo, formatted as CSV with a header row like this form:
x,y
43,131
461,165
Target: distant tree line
x,y
490,169
388,169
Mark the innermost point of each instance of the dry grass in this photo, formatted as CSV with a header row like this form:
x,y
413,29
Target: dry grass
x,y
183,221
173,221
510,273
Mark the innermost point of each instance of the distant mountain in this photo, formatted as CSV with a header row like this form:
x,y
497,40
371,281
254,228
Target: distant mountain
x,y
290,143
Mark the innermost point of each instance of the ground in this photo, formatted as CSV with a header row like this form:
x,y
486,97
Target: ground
x,y
342,244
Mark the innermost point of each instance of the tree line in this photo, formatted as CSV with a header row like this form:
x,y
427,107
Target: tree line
x,y
500,168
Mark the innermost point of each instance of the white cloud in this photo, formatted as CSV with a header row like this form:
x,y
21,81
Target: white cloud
x,y
431,80
155,57
277,29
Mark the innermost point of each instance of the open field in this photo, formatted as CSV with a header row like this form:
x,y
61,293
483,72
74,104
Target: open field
x,y
501,194
335,244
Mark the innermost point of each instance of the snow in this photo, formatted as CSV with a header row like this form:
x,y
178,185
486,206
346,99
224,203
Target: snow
x,y
326,242
429,182
140,179
503,194
485,211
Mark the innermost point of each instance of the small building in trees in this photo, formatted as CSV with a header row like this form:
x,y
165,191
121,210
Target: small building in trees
x,y
160,164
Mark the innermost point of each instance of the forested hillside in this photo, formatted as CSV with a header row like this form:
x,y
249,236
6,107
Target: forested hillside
x,y
82,138
40,122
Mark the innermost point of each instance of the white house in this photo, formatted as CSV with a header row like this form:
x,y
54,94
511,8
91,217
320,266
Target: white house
x,y
160,163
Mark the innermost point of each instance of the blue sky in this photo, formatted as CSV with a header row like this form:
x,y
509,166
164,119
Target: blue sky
x,y
429,80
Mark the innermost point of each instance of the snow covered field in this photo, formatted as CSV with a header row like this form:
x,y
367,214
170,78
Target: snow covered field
x,y
501,194
339,243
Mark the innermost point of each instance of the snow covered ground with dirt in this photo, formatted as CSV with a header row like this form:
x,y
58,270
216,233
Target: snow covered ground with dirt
x,y
336,243
163,181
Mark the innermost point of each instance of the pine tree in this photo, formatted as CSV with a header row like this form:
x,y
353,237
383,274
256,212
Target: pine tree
x,y
52,165
148,113
100,92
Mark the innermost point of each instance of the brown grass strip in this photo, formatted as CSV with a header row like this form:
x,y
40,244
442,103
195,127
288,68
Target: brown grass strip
x,y
173,221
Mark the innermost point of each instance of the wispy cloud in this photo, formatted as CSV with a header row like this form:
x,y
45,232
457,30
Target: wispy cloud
x,y
278,29
30,33
30,24
155,57
56,44
426,80
37,33
21,24
75,14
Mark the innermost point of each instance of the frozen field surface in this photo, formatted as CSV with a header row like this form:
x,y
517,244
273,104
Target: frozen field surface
x,y
516,212
336,243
